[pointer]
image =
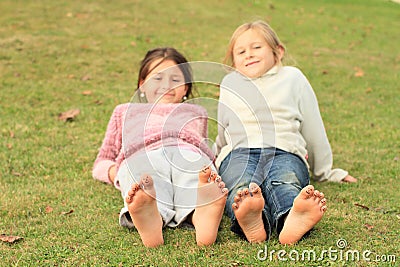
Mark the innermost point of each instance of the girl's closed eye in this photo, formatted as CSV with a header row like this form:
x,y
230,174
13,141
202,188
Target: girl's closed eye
x,y
176,80
157,77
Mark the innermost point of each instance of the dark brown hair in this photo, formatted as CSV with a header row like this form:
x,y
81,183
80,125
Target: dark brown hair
x,y
166,53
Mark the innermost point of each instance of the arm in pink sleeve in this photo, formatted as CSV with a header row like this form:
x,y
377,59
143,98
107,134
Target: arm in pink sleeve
x,y
111,147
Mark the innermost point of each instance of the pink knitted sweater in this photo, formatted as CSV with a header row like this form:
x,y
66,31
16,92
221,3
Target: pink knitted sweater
x,y
135,127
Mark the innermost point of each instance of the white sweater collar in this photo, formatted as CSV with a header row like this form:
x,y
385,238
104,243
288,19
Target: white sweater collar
x,y
274,70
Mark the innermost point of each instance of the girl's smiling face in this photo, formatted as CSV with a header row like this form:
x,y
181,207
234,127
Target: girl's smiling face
x,y
252,55
165,83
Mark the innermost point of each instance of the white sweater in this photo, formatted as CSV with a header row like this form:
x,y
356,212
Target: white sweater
x,y
278,110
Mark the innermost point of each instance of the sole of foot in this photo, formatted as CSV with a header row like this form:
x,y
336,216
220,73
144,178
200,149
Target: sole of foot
x,y
247,207
142,206
308,209
211,200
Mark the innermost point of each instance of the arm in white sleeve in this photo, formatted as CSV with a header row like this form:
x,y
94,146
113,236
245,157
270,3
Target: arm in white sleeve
x,y
320,156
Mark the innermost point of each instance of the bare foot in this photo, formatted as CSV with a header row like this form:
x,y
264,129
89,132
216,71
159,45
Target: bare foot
x,y
142,206
308,208
349,179
248,206
211,199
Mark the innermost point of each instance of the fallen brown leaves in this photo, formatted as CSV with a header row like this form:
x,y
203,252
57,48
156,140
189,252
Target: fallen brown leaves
x,y
368,226
69,115
358,72
10,238
67,212
361,206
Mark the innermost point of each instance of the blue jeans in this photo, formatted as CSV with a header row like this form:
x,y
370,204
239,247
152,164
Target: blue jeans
x,y
281,176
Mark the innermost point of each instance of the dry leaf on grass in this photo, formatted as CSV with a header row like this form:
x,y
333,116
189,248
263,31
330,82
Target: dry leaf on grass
x,y
368,226
10,238
86,78
48,209
362,206
67,212
87,92
69,115
16,174
359,72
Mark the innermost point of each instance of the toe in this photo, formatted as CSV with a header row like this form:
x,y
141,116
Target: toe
x,y
128,199
235,206
245,192
318,194
237,199
204,174
221,185
254,188
307,191
135,188
206,170
213,176
146,181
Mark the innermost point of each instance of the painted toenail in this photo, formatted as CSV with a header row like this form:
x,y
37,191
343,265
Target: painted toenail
x,y
253,187
205,168
218,179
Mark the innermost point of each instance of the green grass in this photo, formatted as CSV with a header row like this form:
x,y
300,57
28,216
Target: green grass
x,y
53,51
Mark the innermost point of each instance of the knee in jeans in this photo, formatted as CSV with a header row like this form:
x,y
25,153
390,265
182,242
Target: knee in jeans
x,y
288,178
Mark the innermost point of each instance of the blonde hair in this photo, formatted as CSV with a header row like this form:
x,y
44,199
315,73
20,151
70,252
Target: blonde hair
x,y
262,27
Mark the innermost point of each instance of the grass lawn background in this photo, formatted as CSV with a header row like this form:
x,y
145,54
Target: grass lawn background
x,y
61,55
